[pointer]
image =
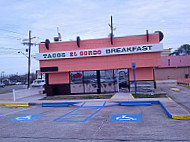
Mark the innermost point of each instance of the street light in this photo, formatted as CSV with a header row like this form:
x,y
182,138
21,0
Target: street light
x,y
20,52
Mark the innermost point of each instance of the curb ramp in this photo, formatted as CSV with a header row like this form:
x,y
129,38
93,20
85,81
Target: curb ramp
x,y
122,96
175,110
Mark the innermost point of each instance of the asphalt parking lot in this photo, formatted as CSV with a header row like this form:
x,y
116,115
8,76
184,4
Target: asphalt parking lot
x,y
91,123
181,95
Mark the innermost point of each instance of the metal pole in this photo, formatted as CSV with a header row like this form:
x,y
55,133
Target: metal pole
x,y
117,80
1,78
111,31
135,83
29,59
111,26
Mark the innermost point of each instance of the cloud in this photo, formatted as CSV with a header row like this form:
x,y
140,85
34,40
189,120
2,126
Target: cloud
x,y
89,19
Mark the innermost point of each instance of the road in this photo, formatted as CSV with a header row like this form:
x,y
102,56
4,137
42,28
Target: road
x,y
8,89
179,94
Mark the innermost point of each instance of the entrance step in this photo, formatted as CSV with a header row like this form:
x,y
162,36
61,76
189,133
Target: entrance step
x,y
122,96
143,86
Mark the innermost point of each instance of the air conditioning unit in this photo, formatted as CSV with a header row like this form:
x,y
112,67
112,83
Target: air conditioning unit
x,y
56,39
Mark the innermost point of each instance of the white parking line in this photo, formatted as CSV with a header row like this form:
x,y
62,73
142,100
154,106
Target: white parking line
x,y
16,112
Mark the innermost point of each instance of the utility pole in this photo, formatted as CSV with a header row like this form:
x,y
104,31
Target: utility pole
x,y
2,76
111,26
112,29
29,43
29,59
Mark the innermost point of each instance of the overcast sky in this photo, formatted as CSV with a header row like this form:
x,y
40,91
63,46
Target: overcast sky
x,y
88,19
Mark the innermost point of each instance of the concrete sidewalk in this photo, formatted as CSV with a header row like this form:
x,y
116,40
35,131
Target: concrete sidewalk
x,y
25,95
122,96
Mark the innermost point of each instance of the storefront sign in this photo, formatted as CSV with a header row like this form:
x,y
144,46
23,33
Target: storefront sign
x,y
78,75
101,52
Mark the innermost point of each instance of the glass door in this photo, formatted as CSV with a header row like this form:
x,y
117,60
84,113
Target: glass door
x,y
122,80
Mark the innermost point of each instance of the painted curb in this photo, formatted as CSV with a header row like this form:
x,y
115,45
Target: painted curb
x,y
169,98
59,104
166,111
132,96
181,117
114,95
15,104
175,89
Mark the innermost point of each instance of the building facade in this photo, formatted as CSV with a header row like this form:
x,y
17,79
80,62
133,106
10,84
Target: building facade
x,y
173,67
97,65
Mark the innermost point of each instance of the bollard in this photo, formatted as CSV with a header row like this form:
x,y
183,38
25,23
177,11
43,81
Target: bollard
x,y
30,91
14,95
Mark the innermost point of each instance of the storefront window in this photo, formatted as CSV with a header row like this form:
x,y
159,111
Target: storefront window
x,y
102,81
90,81
76,79
107,81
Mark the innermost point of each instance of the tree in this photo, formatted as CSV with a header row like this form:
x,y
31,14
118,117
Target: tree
x,y
22,78
182,50
16,78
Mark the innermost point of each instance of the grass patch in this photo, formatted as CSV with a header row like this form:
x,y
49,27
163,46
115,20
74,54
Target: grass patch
x,y
77,97
150,96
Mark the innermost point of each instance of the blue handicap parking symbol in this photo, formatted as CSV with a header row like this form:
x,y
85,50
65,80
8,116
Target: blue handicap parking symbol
x,y
26,117
126,117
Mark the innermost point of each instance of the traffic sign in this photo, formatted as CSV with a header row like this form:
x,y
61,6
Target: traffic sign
x,y
26,117
126,117
133,65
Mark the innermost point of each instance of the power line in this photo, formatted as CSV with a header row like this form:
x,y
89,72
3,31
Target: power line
x,y
10,48
12,32
11,57
11,37
17,33
15,57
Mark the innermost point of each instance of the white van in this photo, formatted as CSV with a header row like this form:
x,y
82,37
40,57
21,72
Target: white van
x,y
38,83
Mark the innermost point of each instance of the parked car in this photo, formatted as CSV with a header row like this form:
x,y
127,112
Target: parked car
x,y
2,85
38,83
12,83
19,83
